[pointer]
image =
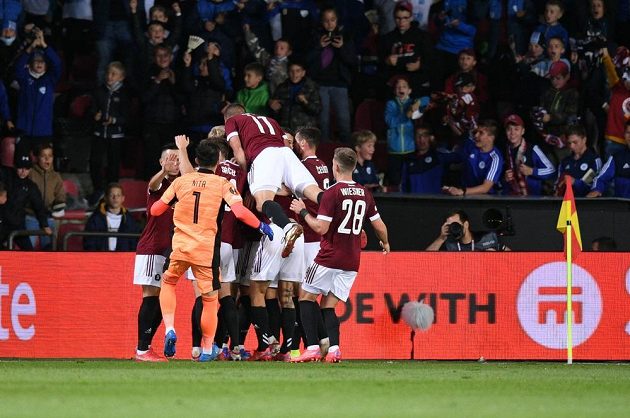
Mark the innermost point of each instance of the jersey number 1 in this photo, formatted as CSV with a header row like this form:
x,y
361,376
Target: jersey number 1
x,y
354,209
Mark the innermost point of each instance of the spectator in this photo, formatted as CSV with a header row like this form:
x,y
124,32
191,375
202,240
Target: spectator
x,y
530,69
616,170
527,166
20,193
255,95
406,50
112,27
462,111
162,108
276,66
467,62
365,171
37,72
552,27
78,36
423,172
50,185
400,113
560,102
334,60
297,101
110,106
603,244
455,34
456,235
582,165
111,216
482,162
10,12
299,19
618,112
203,87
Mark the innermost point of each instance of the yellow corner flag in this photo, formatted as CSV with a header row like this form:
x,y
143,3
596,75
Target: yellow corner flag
x,y
569,225
568,216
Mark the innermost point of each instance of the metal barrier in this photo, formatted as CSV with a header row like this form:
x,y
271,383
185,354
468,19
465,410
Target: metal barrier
x,y
71,234
28,233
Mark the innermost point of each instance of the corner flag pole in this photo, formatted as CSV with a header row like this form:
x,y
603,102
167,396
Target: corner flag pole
x,y
569,242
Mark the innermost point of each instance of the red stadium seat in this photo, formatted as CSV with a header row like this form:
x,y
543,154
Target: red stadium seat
x,y
135,193
80,106
7,151
71,188
370,115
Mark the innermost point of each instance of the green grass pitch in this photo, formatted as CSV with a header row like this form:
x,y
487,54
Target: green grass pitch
x,y
350,389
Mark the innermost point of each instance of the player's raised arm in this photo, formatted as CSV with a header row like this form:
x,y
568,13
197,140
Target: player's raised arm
x,y
320,226
185,166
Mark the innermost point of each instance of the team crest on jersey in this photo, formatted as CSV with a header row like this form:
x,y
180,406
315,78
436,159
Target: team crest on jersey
x,y
428,159
583,166
369,170
233,190
482,165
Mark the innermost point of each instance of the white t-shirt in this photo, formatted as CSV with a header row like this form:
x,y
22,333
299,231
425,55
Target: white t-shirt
x,y
113,224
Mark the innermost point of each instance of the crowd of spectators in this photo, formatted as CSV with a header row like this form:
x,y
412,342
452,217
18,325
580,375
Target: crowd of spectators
x,y
478,96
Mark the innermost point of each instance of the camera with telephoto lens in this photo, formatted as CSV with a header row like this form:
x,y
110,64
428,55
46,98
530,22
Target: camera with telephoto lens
x,y
454,231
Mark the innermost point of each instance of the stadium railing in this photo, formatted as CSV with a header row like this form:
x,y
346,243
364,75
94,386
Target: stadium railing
x,y
69,235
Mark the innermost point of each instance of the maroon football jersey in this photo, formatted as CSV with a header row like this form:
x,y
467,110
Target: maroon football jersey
x,y
255,133
157,234
345,205
321,174
230,230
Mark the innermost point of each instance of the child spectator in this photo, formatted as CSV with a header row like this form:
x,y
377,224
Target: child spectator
x,y
555,53
110,105
255,95
456,34
552,27
50,185
365,171
560,102
9,16
37,71
111,216
276,66
21,192
334,61
618,76
400,112
582,165
483,163
462,111
527,166
296,101
422,173
467,62
616,170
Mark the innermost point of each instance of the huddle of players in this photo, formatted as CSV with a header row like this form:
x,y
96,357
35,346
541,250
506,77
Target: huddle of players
x,y
273,269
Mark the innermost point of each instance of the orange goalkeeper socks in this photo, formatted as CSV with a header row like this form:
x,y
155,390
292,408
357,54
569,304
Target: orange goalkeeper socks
x,y
208,322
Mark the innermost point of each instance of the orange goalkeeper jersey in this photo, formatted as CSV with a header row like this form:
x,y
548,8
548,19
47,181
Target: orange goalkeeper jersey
x,y
197,197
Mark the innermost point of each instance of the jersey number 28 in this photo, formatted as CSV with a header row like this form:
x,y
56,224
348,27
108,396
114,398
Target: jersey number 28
x,y
353,221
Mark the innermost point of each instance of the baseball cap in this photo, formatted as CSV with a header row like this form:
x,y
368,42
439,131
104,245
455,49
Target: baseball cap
x,y
464,79
513,119
23,161
558,68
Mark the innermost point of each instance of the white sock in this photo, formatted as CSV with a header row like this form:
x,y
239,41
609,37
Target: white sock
x,y
140,352
333,348
169,329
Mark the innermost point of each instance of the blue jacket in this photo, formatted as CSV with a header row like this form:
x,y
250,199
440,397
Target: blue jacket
x,y
536,159
365,174
36,97
454,39
9,13
555,31
209,9
617,168
578,168
480,166
400,135
423,174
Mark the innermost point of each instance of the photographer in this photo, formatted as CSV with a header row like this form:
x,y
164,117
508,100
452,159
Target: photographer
x,y
455,235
